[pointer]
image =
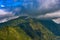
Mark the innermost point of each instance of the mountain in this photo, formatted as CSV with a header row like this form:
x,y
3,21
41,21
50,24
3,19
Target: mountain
x,y
24,28
52,26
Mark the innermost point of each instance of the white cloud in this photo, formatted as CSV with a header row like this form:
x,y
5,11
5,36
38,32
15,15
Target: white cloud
x,y
7,19
52,15
57,20
4,13
3,20
5,16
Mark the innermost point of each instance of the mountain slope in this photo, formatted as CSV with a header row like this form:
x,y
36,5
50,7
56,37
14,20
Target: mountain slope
x,y
24,28
13,33
52,26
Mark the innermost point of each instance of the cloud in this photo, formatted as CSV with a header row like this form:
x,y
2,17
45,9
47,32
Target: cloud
x,y
5,16
57,20
9,15
2,12
43,9
44,6
49,3
49,10
52,15
7,19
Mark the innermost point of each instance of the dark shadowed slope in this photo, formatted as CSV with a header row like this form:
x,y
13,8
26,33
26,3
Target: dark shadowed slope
x,y
53,27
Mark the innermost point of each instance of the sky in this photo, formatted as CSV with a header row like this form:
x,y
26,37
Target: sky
x,y
41,9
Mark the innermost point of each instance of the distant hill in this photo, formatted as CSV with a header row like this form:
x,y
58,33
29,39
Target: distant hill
x,y
24,28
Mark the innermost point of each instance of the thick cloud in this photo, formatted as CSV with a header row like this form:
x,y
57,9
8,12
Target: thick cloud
x,y
50,10
5,16
48,6
42,9
52,15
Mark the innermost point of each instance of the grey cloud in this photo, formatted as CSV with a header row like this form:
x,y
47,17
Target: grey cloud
x,y
44,6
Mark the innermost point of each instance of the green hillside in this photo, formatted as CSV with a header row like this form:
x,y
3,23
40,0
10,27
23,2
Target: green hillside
x,y
25,29
13,33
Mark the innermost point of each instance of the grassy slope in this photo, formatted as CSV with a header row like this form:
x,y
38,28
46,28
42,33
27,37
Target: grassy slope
x,y
24,29
13,33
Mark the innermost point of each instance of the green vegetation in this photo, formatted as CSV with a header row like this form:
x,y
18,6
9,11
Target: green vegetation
x,y
25,29
13,33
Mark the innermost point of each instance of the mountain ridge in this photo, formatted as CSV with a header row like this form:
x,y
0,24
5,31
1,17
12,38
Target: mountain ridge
x,y
32,29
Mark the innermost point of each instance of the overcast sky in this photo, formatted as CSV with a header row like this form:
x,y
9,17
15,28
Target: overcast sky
x,y
42,9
